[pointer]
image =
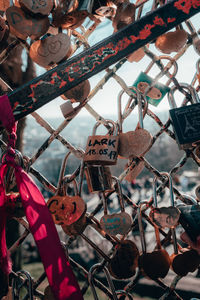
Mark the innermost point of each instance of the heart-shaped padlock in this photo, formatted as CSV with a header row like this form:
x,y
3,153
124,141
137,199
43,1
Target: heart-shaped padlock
x,y
117,223
23,26
78,93
153,264
51,49
123,264
172,41
40,8
185,262
133,143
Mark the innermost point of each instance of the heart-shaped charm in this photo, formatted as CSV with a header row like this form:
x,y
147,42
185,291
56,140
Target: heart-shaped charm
x,y
51,49
185,262
124,261
134,143
23,26
65,209
155,264
171,41
116,223
78,93
38,7
165,216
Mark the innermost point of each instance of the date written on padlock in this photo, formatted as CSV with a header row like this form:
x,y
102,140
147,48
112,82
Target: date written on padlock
x,y
102,149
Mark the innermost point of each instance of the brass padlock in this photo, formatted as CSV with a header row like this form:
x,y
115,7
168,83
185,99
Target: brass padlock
x,y
133,143
39,8
172,41
153,264
78,93
125,14
98,178
152,90
185,119
102,149
117,223
23,26
51,49
124,261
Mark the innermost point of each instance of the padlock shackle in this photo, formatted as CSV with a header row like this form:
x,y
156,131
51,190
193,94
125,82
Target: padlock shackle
x,y
91,273
139,100
170,189
119,192
28,280
114,131
141,229
192,91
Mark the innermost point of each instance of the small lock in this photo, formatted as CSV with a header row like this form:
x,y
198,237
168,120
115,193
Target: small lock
x,y
98,178
153,264
51,49
102,149
164,216
158,90
39,8
125,15
78,93
66,108
65,209
117,223
24,26
133,143
172,41
185,119
124,261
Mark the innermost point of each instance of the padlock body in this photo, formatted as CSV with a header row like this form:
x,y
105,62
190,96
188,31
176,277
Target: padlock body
x,y
158,91
101,150
98,179
186,124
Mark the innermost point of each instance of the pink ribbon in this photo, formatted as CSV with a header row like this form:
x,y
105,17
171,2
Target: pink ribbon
x,y
59,273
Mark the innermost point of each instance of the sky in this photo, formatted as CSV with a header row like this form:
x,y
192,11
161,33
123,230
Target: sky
x,y
105,101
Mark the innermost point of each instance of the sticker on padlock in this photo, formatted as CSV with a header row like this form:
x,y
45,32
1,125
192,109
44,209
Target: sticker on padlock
x,y
158,258
137,142
102,149
117,223
40,8
51,49
152,90
185,119
98,178
164,216
124,261
66,210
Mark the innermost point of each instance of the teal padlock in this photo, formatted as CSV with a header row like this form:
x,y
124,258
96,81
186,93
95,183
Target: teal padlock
x,y
158,90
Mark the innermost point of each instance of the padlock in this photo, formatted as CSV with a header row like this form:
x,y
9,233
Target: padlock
x,y
66,210
98,178
25,280
51,49
158,90
134,171
164,216
185,119
137,55
153,264
66,108
133,143
4,5
125,15
23,26
102,149
117,223
73,18
38,8
172,41
91,274
78,93
124,261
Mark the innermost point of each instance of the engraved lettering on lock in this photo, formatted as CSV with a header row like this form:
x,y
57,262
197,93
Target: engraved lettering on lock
x,y
16,18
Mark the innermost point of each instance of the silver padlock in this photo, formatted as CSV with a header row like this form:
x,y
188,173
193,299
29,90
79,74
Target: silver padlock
x,y
185,119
